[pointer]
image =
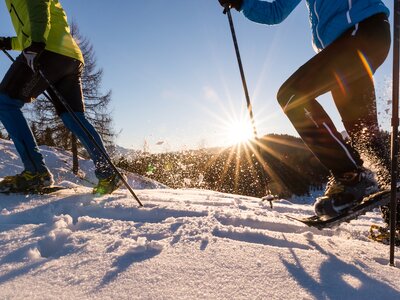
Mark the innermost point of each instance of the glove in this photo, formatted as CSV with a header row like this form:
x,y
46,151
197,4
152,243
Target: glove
x,y
5,43
236,4
32,54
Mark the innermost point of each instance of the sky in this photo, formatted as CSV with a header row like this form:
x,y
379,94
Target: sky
x,y
173,73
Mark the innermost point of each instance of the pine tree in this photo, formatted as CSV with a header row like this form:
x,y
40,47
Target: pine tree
x,y
48,138
96,103
48,126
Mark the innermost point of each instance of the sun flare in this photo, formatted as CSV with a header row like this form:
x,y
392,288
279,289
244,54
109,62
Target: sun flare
x,y
239,131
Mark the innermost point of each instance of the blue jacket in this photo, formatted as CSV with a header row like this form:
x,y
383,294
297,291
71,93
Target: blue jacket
x,y
328,18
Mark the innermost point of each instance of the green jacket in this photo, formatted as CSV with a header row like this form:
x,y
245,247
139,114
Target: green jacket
x,y
42,21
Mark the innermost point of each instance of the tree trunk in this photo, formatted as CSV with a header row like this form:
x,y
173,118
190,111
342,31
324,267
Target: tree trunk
x,y
75,163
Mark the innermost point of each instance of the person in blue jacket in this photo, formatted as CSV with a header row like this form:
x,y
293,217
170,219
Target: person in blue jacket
x,y
352,39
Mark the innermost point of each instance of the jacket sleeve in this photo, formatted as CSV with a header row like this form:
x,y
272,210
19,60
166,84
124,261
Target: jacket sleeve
x,y
39,16
268,12
15,44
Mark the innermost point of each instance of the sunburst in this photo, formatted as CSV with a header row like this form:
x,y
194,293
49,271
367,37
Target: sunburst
x,y
238,132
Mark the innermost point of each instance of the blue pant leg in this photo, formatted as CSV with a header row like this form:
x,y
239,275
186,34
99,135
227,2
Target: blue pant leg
x,y
103,169
17,127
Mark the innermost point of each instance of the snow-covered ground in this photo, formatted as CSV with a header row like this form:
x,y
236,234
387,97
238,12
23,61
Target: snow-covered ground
x,y
183,244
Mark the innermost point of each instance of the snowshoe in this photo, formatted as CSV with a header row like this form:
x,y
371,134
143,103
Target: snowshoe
x,y
26,182
107,185
368,203
382,234
344,192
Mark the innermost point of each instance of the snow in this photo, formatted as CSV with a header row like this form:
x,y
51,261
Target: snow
x,y
183,244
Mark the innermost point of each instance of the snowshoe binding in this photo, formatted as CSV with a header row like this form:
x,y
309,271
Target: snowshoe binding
x,y
107,185
381,234
26,182
344,192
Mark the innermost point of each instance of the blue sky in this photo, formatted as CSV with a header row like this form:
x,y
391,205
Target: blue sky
x,y
172,68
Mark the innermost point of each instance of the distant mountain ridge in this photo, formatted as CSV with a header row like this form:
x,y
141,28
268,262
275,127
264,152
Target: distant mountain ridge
x,y
292,168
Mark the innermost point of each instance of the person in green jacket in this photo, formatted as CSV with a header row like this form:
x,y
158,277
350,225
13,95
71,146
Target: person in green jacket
x,y
43,35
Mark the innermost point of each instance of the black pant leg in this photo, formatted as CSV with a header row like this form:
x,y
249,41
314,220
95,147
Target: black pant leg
x,y
339,67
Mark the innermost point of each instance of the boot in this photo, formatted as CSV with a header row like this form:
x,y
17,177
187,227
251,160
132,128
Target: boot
x,y
107,185
345,191
26,182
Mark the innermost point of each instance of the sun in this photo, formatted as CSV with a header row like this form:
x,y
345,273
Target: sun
x,y
239,131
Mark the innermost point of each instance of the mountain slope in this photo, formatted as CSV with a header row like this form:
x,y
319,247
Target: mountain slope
x,y
183,244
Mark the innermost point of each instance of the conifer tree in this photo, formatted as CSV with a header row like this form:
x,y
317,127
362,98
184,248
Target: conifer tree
x,y
49,128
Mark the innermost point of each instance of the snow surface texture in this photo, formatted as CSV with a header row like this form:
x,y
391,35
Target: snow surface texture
x,y
184,244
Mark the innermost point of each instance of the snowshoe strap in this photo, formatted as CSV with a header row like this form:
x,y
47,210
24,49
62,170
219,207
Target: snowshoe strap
x,y
382,235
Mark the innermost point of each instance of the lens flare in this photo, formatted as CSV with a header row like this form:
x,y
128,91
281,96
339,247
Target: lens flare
x,y
239,131
366,64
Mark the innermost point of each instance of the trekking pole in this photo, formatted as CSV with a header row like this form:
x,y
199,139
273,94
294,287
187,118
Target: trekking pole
x,y
86,131
82,126
395,128
227,11
73,137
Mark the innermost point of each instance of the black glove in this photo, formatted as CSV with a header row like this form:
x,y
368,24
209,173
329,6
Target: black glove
x,y
236,4
5,43
32,54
